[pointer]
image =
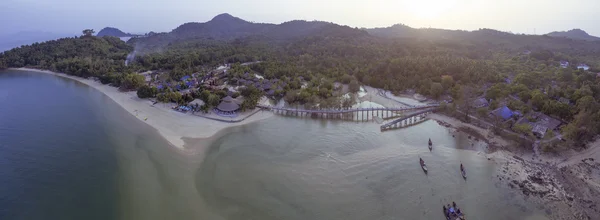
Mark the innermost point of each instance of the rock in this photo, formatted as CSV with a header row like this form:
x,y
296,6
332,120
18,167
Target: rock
x,y
518,158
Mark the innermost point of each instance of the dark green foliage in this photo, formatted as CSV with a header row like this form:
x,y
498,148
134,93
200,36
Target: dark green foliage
x,y
436,90
147,92
132,81
354,86
251,97
83,57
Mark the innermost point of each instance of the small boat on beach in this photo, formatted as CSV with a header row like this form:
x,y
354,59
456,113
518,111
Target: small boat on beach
x,y
453,212
423,166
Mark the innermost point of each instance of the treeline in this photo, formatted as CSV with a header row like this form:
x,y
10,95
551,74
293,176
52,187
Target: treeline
x,y
79,56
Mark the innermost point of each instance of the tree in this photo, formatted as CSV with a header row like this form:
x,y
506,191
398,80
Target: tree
x,y
88,32
347,79
482,112
583,128
456,92
436,90
204,96
522,128
586,103
538,99
493,104
213,100
585,90
447,82
132,81
497,91
468,96
147,92
525,96
354,86
518,88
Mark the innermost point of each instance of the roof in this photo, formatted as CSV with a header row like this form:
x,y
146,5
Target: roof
x,y
228,105
540,130
480,102
197,101
503,112
184,78
549,122
228,99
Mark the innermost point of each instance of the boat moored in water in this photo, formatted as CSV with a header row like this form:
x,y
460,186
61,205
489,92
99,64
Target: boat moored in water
x,y
423,166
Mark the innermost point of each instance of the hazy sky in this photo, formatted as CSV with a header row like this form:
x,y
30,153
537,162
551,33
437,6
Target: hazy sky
x,y
519,16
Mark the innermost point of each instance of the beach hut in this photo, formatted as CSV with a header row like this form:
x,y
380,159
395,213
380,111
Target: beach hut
x,y
228,106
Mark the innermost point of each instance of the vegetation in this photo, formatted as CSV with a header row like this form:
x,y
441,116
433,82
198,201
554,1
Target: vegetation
x,y
522,128
147,92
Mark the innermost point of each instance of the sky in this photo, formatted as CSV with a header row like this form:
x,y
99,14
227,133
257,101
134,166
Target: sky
x,y
141,16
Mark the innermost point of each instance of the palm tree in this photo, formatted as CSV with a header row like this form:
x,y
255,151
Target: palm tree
x,y
88,32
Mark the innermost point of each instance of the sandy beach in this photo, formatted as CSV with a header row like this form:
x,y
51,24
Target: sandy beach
x,y
172,125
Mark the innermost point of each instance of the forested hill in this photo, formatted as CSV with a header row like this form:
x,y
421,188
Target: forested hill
x,y
576,34
491,37
85,56
114,32
225,27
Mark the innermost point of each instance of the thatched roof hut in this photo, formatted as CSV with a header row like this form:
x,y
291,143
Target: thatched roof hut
x,y
228,104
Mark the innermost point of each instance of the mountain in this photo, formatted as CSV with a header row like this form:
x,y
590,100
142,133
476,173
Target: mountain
x,y
111,31
576,34
227,27
486,37
10,41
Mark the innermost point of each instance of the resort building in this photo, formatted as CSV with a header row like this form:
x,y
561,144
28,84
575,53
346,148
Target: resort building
x,y
583,66
564,64
228,107
503,112
480,103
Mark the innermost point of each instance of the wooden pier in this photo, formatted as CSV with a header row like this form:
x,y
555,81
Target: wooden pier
x,y
407,120
357,114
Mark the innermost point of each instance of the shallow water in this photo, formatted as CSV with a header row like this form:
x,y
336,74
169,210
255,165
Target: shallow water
x,y
288,168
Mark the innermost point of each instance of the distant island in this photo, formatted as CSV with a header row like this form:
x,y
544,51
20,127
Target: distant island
x,y
536,87
114,32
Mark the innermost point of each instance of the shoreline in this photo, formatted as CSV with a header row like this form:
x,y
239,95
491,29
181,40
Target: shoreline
x,y
174,126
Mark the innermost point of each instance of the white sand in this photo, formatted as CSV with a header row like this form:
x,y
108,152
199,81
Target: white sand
x,y
170,124
371,95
